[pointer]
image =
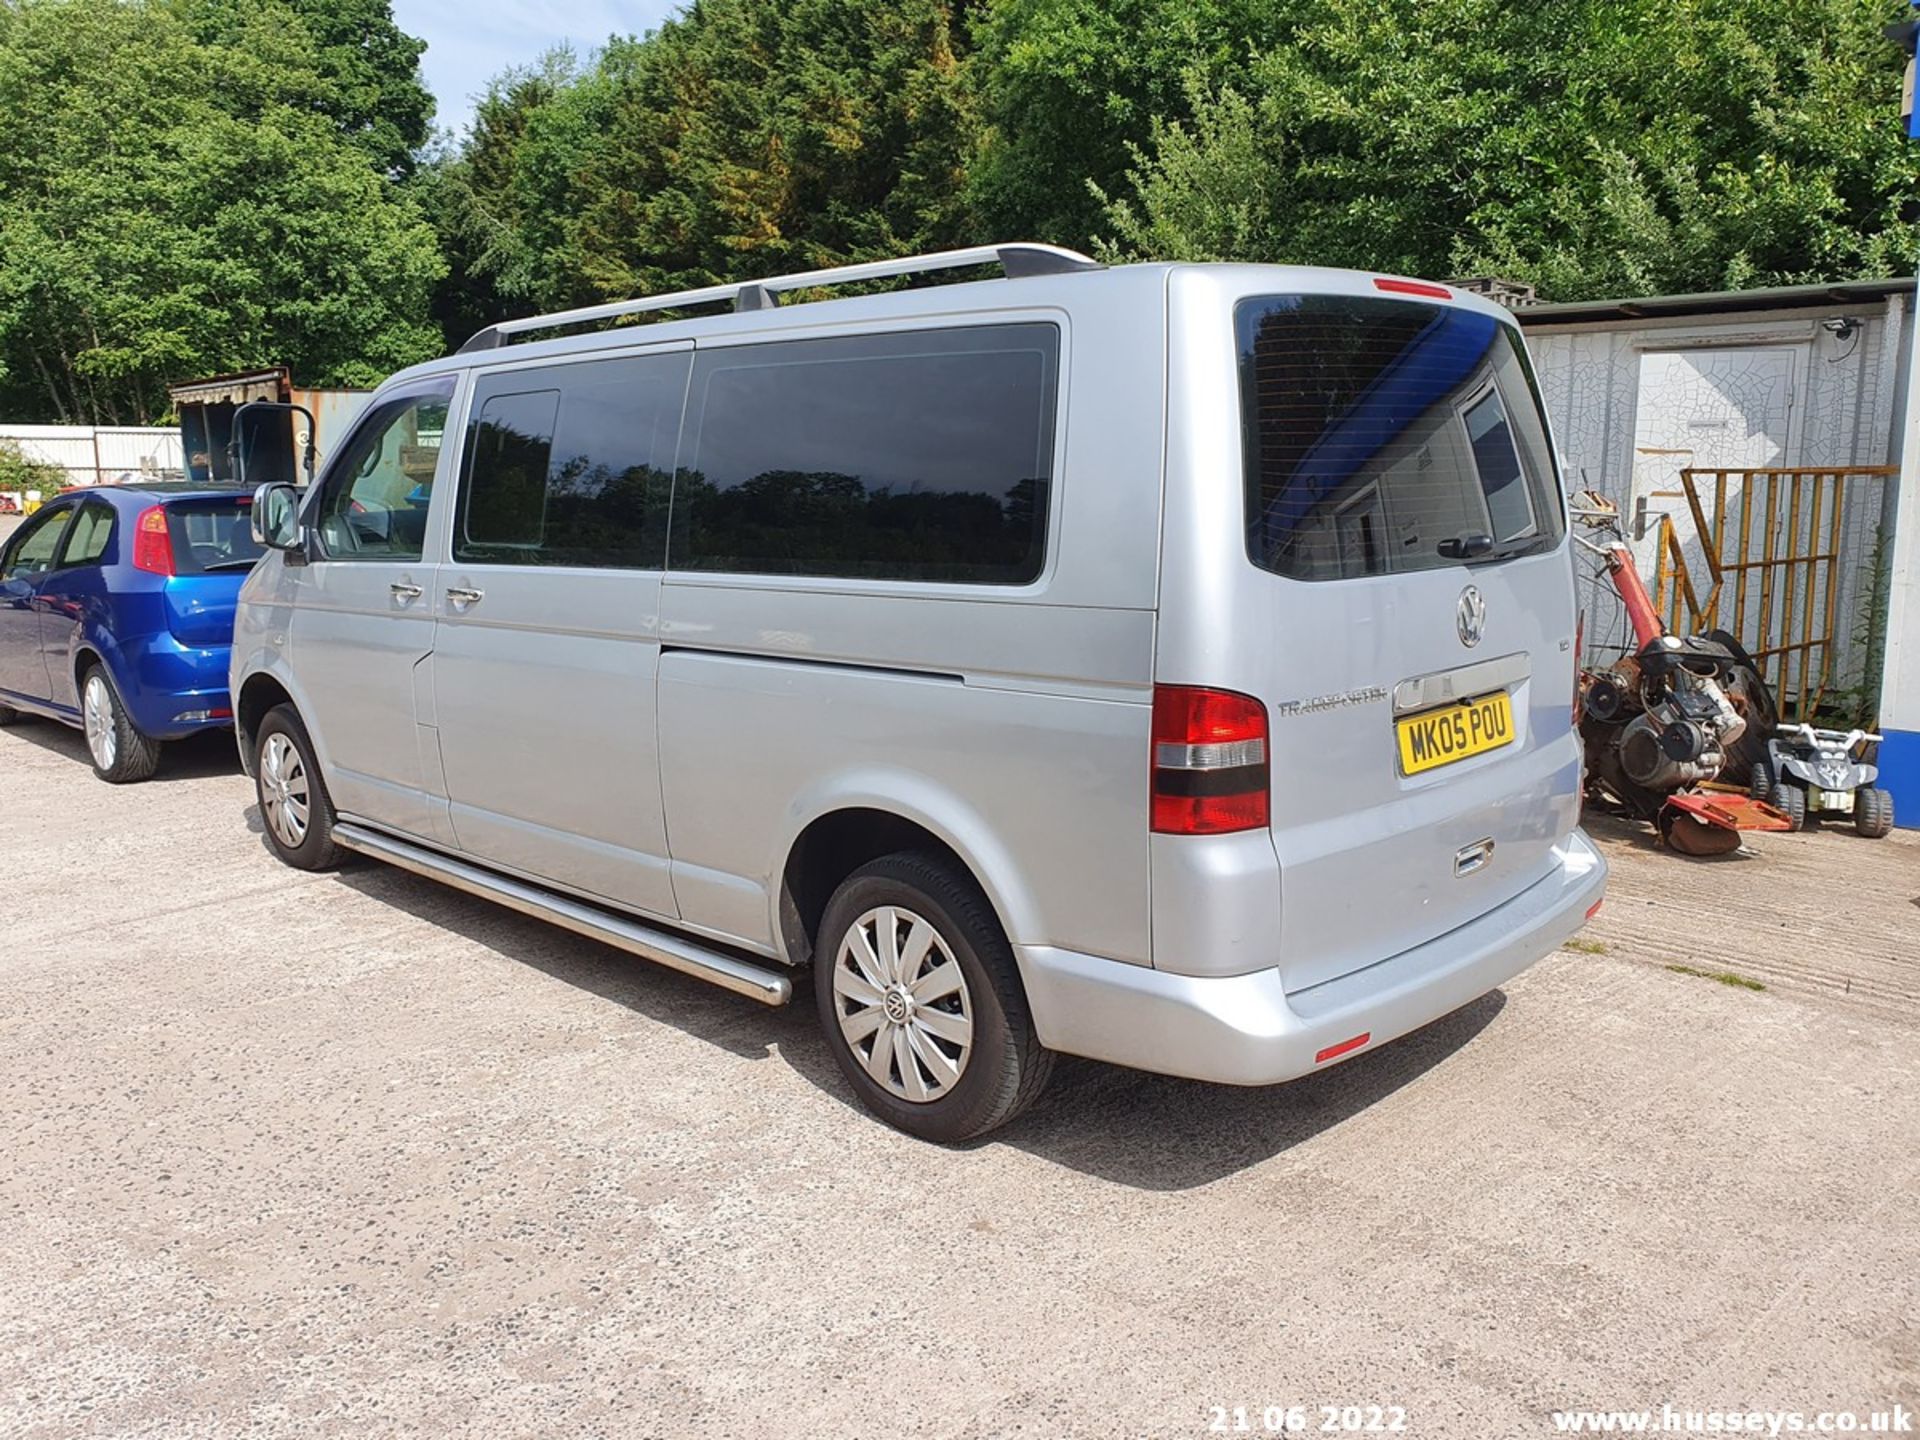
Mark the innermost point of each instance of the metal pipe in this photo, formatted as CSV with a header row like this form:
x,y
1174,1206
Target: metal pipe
x,y
1014,259
676,952
1833,584
1787,583
1813,576
1766,576
1633,595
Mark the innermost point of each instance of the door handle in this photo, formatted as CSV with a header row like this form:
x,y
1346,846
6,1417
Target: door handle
x,y
404,590
1469,858
461,595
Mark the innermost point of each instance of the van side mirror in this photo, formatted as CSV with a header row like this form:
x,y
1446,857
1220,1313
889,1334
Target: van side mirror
x,y
276,516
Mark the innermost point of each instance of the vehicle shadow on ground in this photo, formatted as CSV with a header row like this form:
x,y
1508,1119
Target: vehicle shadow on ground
x,y
196,758
1145,1131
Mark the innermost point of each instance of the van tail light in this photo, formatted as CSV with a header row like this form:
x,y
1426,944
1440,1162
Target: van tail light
x,y
152,542
1209,761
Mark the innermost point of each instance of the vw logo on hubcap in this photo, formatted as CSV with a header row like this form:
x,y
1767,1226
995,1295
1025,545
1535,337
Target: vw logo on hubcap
x,y
1470,616
897,1006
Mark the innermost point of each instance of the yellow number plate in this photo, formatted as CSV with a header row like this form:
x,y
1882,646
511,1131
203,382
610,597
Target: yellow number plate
x,y
1440,737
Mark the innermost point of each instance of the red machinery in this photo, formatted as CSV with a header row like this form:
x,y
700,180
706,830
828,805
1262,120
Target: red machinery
x,y
1674,714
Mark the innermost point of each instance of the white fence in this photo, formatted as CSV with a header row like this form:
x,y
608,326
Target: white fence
x,y
91,454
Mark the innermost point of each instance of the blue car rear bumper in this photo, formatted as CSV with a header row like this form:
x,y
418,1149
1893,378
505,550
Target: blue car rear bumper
x,y
173,690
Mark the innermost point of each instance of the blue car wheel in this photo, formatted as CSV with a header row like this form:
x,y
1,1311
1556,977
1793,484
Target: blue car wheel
x,y
121,754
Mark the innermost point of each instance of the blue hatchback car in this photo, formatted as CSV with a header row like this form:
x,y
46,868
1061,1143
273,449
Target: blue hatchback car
x,y
116,616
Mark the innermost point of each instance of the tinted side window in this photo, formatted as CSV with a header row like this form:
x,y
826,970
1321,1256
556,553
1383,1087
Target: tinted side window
x,y
378,489
569,464
87,540
31,550
924,456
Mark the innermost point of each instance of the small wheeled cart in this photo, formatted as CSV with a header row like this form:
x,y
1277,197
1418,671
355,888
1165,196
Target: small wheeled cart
x,y
1809,772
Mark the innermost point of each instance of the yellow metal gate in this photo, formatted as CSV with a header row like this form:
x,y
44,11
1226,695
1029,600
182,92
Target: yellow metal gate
x,y
1770,542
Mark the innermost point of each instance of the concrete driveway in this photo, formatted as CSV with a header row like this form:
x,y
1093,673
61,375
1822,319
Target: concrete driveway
x,y
356,1155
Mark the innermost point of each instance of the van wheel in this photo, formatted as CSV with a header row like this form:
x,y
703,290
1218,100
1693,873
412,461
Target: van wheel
x,y
1872,812
294,806
922,1003
121,754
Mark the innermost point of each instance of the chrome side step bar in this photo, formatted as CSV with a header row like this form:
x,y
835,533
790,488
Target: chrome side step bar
x,y
676,952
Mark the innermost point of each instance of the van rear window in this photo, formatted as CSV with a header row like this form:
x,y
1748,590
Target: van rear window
x,y
1384,436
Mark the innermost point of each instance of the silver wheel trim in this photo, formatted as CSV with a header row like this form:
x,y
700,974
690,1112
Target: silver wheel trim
x,y
283,790
902,1003
103,740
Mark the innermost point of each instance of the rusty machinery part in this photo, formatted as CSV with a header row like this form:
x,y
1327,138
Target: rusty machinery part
x,y
1687,834
1641,612
1604,697
1709,822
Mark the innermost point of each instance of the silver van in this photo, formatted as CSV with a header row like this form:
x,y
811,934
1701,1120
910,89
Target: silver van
x,y
1167,664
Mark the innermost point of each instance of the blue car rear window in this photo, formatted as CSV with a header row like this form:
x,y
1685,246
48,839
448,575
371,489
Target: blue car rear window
x,y
212,535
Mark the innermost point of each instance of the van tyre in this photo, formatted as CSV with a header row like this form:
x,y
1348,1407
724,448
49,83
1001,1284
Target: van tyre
x,y
921,1000
121,755
295,809
1791,801
1872,812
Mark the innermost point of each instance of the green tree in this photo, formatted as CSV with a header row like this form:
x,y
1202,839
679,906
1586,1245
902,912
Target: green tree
x,y
484,197
744,137
753,137
172,207
1068,89
369,68
1601,147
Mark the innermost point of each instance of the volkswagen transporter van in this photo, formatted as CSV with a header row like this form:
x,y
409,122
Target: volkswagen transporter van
x,y
1167,664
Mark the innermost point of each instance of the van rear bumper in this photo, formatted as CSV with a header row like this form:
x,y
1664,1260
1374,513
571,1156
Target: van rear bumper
x,y
1246,1030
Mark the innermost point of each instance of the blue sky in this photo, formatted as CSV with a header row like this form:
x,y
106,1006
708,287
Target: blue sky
x,y
471,41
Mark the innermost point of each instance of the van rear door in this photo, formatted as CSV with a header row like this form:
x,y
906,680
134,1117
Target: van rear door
x,y
1400,599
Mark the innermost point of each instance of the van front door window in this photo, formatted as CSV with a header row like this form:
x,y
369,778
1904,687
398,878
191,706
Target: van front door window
x,y
375,505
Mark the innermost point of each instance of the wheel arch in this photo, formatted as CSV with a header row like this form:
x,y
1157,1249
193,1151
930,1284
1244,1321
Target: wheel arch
x,y
853,823
260,692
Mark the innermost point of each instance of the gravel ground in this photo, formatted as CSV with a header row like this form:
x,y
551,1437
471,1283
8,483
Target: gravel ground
x,y
357,1155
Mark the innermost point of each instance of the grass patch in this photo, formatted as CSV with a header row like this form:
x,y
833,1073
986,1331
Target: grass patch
x,y
1585,947
1725,977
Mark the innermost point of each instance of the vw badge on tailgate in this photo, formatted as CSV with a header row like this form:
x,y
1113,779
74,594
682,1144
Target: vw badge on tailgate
x,y
1470,616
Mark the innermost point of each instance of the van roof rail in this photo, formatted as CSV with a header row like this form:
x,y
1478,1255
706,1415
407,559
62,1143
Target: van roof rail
x,y
1015,260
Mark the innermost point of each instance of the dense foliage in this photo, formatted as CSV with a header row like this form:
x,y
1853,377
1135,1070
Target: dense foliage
x,y
744,138
20,474
188,186
196,187
1596,147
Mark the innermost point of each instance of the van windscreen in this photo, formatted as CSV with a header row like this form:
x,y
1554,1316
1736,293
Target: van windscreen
x,y
1383,436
